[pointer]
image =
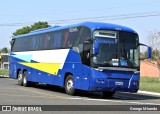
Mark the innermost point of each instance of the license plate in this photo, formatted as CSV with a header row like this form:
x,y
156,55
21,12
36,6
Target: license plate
x,y
119,83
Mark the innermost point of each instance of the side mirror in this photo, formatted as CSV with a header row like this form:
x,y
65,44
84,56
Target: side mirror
x,y
147,53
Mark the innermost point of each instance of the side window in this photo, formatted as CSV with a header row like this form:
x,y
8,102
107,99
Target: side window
x,y
18,45
51,43
57,39
73,34
70,36
34,43
41,42
15,46
27,44
86,34
47,40
65,39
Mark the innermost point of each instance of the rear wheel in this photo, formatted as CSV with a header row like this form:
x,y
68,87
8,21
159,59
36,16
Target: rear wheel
x,y
108,93
70,90
20,78
25,82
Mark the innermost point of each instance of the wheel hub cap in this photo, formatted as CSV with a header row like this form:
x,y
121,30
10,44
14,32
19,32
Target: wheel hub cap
x,y
69,84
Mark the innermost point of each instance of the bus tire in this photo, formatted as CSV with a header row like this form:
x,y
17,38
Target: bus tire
x,y
69,85
25,82
20,78
108,94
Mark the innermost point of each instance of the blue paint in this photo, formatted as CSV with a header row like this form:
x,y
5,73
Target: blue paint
x,y
149,54
91,25
85,77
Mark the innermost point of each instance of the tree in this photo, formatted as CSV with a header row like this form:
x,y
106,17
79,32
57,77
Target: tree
x,y
39,25
27,29
23,30
154,41
4,50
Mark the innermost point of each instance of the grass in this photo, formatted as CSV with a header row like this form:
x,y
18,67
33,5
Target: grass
x,y
150,84
4,72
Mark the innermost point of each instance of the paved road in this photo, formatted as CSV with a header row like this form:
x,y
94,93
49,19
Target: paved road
x,y
13,94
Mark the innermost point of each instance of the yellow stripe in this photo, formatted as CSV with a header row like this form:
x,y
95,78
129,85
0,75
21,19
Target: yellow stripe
x,y
45,67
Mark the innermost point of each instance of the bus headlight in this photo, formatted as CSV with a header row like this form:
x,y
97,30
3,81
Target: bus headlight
x,y
100,80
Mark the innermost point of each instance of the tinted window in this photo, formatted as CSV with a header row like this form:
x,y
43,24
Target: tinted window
x,y
26,44
86,34
53,40
73,33
42,41
65,40
17,46
57,39
51,43
70,36
34,43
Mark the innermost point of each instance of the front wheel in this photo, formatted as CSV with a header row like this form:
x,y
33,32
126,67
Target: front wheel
x,y
108,94
70,90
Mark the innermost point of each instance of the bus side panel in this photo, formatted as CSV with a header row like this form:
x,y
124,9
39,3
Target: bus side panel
x,y
40,68
12,72
14,66
73,65
43,77
85,82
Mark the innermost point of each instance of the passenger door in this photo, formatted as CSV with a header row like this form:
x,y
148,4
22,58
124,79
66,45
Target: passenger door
x,y
86,66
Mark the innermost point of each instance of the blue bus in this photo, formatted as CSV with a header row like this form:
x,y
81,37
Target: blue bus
x,y
89,56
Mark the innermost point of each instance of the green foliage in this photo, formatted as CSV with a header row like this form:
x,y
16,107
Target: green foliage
x,y
149,79
150,84
4,72
23,30
39,25
4,50
155,54
143,54
27,29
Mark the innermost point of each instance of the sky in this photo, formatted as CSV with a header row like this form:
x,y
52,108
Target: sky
x,y
141,15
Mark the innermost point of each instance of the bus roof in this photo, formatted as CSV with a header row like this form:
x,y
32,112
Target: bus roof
x,y
91,25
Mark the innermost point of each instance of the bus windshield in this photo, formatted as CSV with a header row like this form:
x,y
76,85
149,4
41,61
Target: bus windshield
x,y
117,49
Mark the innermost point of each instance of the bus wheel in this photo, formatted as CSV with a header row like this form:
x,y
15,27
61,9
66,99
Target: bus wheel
x,y
69,85
20,78
25,82
108,93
